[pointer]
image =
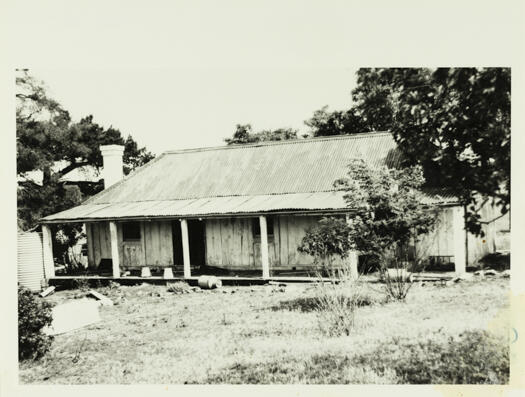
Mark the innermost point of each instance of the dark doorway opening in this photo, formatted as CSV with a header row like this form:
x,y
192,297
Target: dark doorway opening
x,y
197,242
176,233
196,236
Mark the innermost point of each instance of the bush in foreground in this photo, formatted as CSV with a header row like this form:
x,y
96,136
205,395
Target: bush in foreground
x,y
319,369
336,305
33,315
476,357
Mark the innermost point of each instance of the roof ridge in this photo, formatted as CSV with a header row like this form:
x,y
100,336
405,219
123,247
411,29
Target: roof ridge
x,y
358,135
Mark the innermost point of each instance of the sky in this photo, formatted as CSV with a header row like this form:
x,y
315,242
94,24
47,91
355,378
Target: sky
x,y
178,74
180,108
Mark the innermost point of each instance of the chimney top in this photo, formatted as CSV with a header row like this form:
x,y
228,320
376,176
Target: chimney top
x,y
111,150
112,171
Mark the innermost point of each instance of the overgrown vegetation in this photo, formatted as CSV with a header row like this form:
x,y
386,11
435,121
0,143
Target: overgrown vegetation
x,y
388,218
33,315
318,369
233,333
336,301
336,305
475,357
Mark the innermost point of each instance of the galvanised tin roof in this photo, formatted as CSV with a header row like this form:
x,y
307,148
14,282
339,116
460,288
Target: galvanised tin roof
x,y
295,175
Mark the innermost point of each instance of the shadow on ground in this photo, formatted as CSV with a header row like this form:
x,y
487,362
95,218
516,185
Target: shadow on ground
x,y
302,304
312,303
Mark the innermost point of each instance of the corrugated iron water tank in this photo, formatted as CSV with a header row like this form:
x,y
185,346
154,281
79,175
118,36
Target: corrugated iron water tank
x,y
30,260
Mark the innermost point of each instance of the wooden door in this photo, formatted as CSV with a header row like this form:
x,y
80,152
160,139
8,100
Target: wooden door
x,y
132,251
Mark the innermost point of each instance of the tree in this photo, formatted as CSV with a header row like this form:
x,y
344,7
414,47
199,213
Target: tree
x,y
388,207
454,122
389,217
41,127
325,123
88,136
243,134
326,241
457,126
48,141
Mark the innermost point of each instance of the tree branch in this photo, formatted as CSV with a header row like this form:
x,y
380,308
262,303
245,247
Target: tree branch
x,y
71,167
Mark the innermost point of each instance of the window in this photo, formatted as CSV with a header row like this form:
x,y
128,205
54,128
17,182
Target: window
x,y
131,231
256,227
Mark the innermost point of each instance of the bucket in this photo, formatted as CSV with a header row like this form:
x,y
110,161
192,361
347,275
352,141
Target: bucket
x,y
209,282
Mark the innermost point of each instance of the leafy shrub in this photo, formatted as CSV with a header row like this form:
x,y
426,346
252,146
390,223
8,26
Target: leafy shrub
x,y
33,314
475,357
325,242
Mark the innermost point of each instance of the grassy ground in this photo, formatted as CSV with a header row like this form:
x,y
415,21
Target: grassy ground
x,y
260,334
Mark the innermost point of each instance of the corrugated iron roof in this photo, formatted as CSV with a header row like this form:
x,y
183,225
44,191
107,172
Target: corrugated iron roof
x,y
216,206
262,177
298,166
321,201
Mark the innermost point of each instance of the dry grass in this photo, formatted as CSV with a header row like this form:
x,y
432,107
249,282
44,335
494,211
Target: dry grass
x,y
154,336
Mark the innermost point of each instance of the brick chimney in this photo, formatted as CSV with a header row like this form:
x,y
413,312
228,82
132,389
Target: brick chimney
x,y
113,167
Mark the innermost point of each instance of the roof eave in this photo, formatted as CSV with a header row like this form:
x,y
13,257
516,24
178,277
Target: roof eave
x,y
199,216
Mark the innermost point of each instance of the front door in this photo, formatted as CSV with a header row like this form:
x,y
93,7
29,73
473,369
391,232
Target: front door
x,y
132,247
132,252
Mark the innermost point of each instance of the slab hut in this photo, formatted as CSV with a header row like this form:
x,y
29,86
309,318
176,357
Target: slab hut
x,y
240,207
